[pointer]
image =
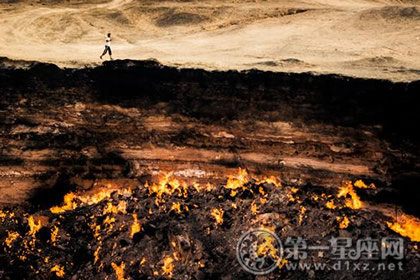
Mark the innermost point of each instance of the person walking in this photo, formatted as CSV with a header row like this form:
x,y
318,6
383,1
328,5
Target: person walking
x,y
107,46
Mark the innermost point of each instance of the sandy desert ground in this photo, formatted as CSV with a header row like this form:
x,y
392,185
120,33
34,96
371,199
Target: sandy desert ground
x,y
365,38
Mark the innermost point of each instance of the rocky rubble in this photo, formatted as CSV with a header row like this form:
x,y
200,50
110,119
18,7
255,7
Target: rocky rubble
x,y
173,230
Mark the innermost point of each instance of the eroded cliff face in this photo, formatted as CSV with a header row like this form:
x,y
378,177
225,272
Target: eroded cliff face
x,y
129,121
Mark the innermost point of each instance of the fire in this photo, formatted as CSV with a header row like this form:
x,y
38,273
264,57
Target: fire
x,y
209,187
266,247
301,214
169,186
343,222
4,214
135,227
86,199
168,266
361,185
254,208
407,226
119,270
176,206
353,201
96,253
112,209
11,237
54,233
270,180
34,227
110,222
330,205
59,270
237,181
218,215
69,204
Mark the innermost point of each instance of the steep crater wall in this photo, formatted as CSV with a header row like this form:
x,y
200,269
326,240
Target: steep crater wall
x,y
124,120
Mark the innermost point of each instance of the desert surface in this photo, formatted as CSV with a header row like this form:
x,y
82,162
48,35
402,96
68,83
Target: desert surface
x,y
219,129
363,38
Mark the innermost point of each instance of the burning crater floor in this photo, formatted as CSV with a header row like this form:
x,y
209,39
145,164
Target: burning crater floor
x,y
134,170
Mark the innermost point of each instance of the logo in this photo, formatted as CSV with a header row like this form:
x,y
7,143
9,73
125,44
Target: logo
x,y
259,251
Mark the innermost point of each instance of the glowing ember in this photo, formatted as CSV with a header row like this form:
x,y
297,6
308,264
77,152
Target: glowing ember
x,y
301,214
96,253
119,270
34,226
112,209
217,215
237,181
135,227
270,180
343,222
168,266
86,199
254,208
3,215
330,205
169,186
407,226
361,185
69,204
59,270
353,201
176,206
265,247
12,236
110,222
54,233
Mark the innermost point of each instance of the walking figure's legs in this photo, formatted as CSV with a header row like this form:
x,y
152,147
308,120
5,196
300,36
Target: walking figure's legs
x,y
110,52
107,49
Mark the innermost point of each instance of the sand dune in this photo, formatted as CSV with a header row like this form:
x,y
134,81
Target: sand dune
x,y
328,36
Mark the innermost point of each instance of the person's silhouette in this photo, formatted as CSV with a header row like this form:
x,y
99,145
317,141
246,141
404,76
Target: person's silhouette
x,y
107,46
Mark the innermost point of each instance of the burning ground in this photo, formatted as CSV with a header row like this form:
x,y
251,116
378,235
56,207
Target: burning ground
x,y
137,170
174,230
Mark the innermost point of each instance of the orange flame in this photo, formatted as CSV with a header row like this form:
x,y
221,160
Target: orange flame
x,y
343,222
112,209
135,227
237,181
330,205
119,270
353,201
218,215
266,247
408,226
11,237
86,199
168,185
254,208
301,214
34,226
54,233
176,206
361,185
270,180
59,270
168,266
